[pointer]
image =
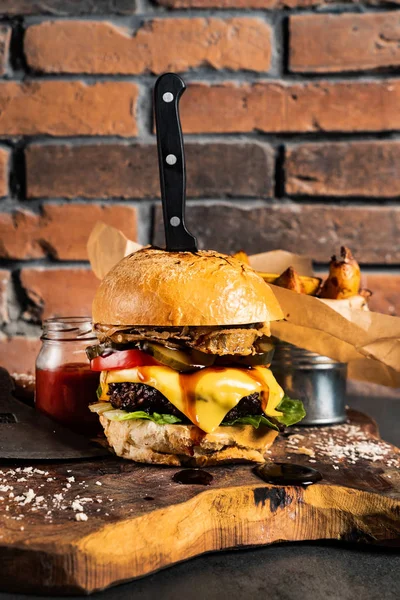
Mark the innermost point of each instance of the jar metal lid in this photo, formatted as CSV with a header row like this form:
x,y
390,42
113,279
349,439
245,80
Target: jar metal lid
x,y
68,329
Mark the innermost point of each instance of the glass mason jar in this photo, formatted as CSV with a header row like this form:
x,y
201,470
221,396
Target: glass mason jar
x,y
65,385
318,381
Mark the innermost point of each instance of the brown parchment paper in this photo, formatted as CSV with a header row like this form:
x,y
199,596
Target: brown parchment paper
x,y
278,261
369,342
106,246
344,330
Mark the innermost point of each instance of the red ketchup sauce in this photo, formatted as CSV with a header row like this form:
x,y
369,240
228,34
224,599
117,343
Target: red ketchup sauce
x,y
64,394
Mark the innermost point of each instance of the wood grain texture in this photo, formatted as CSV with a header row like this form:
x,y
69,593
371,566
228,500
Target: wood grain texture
x,y
140,521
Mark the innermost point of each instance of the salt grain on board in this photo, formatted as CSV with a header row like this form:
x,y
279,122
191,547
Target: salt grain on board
x,y
81,517
346,442
333,444
76,505
27,498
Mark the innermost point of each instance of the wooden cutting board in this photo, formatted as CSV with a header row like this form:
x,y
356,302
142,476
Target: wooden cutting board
x,y
139,520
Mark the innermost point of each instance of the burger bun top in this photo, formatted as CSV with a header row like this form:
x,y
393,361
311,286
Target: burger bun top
x,y
152,287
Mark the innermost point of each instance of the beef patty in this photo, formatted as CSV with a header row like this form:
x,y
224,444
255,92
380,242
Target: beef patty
x,y
138,396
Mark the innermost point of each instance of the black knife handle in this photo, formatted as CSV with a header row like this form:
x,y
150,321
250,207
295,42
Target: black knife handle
x,y
171,159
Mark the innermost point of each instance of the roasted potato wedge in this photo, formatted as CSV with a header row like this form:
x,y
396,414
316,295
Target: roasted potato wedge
x,y
242,256
298,283
290,280
344,277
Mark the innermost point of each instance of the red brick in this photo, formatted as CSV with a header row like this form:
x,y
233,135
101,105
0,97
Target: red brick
x,y
18,354
5,277
157,46
368,169
277,107
5,38
385,290
131,171
67,7
68,108
59,231
127,7
347,42
4,164
46,288
372,233
269,4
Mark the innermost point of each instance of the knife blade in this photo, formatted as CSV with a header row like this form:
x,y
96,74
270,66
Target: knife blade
x,y
26,434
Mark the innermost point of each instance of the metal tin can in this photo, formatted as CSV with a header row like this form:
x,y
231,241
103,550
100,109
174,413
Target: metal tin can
x,y
318,381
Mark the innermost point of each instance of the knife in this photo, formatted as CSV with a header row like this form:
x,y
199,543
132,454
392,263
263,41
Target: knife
x,y
27,434
171,159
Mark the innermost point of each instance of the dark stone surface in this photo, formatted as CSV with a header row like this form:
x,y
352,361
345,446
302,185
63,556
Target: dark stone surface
x,y
303,571
372,233
214,170
67,7
285,572
385,411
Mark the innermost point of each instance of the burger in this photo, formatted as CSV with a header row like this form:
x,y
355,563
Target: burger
x,y
184,354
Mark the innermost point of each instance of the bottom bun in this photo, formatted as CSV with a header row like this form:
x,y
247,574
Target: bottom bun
x,y
186,445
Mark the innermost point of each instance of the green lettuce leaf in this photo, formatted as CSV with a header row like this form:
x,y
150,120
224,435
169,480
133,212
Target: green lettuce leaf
x,y
292,411
121,415
255,420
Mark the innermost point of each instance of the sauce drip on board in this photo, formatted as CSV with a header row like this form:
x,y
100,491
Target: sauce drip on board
x,y
64,394
287,474
193,477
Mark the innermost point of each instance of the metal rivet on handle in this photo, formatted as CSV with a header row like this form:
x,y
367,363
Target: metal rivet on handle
x,y
171,159
168,97
175,221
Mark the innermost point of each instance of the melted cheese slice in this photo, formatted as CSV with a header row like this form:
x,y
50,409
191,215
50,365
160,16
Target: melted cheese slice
x,y
206,396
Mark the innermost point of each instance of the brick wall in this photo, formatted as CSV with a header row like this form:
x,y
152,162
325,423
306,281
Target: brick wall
x,y
291,117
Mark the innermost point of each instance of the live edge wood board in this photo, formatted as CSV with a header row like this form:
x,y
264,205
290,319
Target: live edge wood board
x,y
139,520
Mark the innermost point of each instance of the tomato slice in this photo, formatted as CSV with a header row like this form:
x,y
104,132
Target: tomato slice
x,y
122,359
